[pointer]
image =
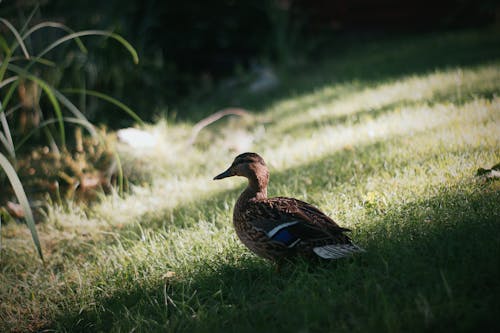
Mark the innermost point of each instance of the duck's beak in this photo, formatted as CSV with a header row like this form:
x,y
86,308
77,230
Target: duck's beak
x,y
225,174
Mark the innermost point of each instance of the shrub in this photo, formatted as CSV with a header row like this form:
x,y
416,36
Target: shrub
x,y
29,98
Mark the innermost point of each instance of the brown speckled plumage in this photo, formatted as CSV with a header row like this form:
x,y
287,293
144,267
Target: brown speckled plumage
x,y
277,228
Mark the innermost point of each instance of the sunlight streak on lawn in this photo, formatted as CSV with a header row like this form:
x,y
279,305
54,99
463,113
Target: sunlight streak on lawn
x,y
452,85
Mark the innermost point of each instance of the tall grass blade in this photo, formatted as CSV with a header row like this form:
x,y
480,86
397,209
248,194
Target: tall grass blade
x,y
3,45
6,58
70,106
117,37
83,122
9,80
23,200
109,99
52,142
6,137
55,104
5,125
50,24
10,92
30,17
121,188
5,143
13,109
50,94
42,61
17,36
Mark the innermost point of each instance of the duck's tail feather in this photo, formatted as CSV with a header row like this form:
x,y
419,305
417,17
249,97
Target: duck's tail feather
x,y
335,251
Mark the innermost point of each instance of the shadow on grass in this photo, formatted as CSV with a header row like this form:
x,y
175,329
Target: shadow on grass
x,y
366,63
430,265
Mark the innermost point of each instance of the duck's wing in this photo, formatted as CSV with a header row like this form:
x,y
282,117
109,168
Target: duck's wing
x,y
290,221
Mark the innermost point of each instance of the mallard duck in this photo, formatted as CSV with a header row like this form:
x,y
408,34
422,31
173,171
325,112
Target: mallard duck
x,y
279,228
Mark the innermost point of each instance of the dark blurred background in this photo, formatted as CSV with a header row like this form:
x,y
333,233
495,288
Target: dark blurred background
x,y
188,48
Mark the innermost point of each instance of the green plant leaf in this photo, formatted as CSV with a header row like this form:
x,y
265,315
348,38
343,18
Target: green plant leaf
x,y
50,24
83,122
3,44
55,105
5,136
42,61
50,94
109,99
120,173
71,107
9,80
17,36
10,92
29,18
23,200
5,61
117,37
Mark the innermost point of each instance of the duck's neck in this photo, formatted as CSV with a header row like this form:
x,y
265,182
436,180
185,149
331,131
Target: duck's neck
x,y
256,189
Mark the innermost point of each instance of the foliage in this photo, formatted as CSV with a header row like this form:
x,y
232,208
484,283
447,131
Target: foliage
x,y
21,196
71,174
177,58
38,106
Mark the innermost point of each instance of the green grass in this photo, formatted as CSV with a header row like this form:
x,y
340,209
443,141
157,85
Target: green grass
x,y
392,156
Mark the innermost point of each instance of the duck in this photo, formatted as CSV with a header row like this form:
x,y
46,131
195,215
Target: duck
x,y
281,228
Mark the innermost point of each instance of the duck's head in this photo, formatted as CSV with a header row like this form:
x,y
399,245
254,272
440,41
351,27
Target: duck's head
x,y
249,165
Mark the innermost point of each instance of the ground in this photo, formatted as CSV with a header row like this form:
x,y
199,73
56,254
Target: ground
x,y
384,137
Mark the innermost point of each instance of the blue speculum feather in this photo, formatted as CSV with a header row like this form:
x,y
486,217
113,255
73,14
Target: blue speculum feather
x,y
284,236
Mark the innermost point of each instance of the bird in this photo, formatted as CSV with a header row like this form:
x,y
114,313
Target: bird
x,y
282,228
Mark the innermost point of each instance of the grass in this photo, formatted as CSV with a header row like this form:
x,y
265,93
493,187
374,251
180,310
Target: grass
x,y
392,156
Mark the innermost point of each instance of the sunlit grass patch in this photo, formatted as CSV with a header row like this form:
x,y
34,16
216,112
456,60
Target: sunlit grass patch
x,y
350,103
393,160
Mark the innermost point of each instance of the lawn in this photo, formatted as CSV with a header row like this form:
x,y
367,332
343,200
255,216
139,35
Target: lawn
x,y
386,137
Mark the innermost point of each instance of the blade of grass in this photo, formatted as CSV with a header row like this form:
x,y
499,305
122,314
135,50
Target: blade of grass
x,y
90,128
23,200
3,44
55,104
117,37
50,95
51,24
52,142
5,60
9,80
108,99
13,109
6,144
9,93
30,17
6,136
17,36
42,61
67,103
120,173
71,107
